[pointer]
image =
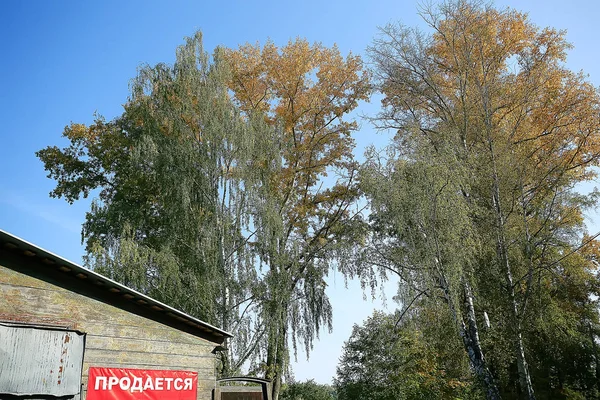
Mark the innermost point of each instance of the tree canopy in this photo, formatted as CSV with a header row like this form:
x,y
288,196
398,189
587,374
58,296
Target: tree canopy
x,y
212,190
384,359
475,201
305,91
308,390
229,188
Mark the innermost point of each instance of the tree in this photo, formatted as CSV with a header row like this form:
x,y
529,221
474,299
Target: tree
x,y
308,390
564,332
493,135
386,360
421,231
302,219
219,205
173,179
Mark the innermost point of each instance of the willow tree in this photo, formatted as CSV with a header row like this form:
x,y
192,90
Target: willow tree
x,y
302,216
171,216
494,132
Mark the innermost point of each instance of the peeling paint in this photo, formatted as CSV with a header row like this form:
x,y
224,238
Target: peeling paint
x,y
32,355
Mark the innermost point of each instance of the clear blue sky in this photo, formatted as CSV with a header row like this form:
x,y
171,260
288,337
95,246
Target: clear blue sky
x,y
61,61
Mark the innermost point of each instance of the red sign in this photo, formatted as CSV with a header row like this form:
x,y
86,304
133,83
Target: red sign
x,y
141,384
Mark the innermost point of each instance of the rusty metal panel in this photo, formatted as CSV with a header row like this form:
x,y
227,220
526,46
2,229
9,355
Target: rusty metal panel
x,y
40,361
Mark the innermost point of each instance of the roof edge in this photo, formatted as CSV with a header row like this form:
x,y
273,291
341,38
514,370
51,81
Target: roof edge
x,y
45,254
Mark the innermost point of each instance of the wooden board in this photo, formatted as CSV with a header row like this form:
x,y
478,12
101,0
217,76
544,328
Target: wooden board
x,y
115,338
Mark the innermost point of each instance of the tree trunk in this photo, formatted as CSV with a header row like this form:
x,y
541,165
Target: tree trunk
x,y
276,363
279,366
276,348
596,356
271,350
524,375
469,333
502,252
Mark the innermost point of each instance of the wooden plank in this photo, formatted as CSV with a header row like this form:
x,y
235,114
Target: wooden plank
x,y
91,313
98,342
103,357
63,303
158,332
116,338
11,277
204,394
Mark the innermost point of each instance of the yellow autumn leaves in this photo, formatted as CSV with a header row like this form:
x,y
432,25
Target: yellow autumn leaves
x,y
306,90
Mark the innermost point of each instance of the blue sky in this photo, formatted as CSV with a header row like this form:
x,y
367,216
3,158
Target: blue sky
x,y
61,61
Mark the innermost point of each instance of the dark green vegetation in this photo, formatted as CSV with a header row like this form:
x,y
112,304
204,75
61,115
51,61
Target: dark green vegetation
x,y
228,188
384,360
309,390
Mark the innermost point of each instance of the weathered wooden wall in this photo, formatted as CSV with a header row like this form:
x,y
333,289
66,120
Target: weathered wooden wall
x,y
115,338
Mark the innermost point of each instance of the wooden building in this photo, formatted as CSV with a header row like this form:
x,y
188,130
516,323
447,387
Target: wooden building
x,y
60,321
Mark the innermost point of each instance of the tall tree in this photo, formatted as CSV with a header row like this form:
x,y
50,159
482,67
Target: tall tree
x,y
173,180
302,218
221,207
422,232
487,116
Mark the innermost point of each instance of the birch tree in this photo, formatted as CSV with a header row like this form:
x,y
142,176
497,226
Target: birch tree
x,y
304,213
499,132
172,180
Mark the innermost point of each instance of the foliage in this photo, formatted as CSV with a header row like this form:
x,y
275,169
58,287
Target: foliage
x,y
228,189
305,215
475,202
212,196
174,183
308,390
381,360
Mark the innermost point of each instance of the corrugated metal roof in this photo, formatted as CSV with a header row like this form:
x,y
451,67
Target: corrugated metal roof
x,y
37,361
52,262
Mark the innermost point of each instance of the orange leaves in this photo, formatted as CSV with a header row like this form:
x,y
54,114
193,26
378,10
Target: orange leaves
x,y
306,90
82,133
303,86
248,83
77,131
555,125
479,40
494,72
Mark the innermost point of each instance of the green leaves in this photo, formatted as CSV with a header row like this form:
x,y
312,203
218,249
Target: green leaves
x,y
228,188
385,360
89,162
479,186
173,214
308,390
218,207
